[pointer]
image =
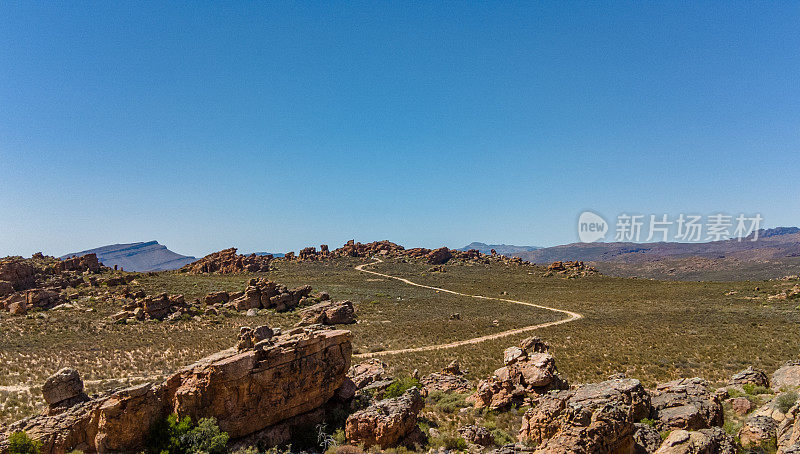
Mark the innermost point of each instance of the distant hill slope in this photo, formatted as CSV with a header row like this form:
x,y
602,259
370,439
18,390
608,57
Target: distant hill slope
x,y
503,249
147,256
775,254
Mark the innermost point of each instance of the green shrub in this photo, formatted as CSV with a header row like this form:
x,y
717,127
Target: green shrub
x,y
401,385
180,436
247,450
456,443
753,390
448,402
648,422
21,443
734,393
787,401
501,437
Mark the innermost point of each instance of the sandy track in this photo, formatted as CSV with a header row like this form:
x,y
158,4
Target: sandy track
x,y
571,316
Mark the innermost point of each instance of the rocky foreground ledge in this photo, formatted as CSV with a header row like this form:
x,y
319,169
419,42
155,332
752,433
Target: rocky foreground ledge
x,y
265,381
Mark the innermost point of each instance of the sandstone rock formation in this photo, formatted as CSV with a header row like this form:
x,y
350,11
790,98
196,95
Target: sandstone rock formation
x,y
158,307
686,403
570,269
478,435
329,313
88,262
370,371
749,376
787,376
592,418
62,390
227,261
529,369
246,391
758,431
387,423
704,441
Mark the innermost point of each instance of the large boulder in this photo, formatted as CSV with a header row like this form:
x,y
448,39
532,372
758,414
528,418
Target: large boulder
x,y
703,441
329,313
88,262
227,261
787,376
63,389
386,423
370,371
246,391
686,403
646,439
439,256
592,418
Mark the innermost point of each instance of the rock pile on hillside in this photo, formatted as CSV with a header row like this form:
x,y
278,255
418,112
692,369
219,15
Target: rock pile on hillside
x,y
262,293
570,269
158,307
248,391
450,379
529,370
88,262
227,261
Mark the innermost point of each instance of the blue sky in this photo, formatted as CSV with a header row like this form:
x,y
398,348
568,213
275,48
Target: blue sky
x,y
272,126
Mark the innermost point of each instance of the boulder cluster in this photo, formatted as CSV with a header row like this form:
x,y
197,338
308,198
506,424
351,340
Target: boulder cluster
x,y
227,261
388,249
158,307
329,313
37,282
529,370
570,269
262,293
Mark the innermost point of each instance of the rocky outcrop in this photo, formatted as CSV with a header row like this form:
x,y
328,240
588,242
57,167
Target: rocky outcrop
x,y
704,441
686,403
749,376
528,369
158,307
646,439
788,431
370,371
570,269
593,418
263,293
386,423
228,261
88,262
477,435
787,376
439,256
758,431
329,313
246,391
17,273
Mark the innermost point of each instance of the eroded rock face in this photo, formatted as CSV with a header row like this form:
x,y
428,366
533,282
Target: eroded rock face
x,y
227,261
646,439
386,423
787,376
17,272
528,369
329,313
749,376
758,431
704,441
788,431
246,391
592,418
439,256
686,403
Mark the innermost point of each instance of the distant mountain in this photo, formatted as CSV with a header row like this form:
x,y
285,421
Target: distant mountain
x,y
502,249
274,254
775,253
148,256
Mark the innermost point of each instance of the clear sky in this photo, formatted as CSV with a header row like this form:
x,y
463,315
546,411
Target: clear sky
x,y
270,126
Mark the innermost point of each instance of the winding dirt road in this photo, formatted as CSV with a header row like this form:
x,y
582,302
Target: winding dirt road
x,y
571,316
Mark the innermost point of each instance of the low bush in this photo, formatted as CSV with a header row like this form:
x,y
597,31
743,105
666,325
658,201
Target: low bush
x,y
21,443
400,386
180,436
754,390
786,401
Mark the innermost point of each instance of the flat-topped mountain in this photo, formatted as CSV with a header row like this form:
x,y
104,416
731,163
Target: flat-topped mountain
x,y
504,249
145,256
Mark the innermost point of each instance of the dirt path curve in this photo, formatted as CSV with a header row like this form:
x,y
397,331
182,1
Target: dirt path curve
x,y
571,317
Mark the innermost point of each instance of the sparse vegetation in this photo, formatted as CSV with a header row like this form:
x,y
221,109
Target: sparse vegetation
x,y
21,443
399,386
180,436
786,401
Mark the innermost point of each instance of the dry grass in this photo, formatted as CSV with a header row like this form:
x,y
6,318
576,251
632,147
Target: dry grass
x,y
651,330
